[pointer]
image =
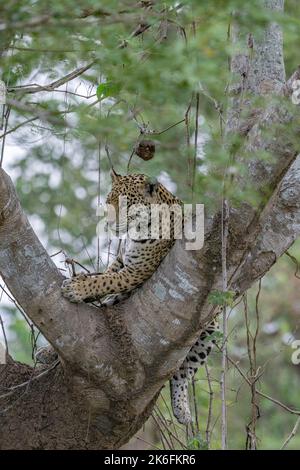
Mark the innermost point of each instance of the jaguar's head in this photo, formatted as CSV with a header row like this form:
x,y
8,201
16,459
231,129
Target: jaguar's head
x,y
138,189
129,190
132,196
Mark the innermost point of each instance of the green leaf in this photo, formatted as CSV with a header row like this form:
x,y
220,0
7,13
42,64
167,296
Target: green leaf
x,y
217,335
197,443
221,298
104,90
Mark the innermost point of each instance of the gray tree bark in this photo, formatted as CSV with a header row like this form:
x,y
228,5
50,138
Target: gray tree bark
x,y
114,361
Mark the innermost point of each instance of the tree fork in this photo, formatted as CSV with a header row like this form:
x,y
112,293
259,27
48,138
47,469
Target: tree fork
x,y
115,360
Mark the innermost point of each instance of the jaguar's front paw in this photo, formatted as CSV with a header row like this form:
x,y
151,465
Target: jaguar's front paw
x,y
74,289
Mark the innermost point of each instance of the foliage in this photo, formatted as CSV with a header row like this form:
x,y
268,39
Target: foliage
x,y
197,443
221,298
143,82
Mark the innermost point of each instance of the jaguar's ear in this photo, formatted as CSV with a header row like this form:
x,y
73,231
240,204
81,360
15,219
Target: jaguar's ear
x,y
150,186
114,176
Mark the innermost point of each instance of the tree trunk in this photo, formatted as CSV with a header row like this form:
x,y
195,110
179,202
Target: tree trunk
x,y
115,360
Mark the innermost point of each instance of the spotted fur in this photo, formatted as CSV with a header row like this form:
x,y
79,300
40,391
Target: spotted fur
x,y
137,260
196,357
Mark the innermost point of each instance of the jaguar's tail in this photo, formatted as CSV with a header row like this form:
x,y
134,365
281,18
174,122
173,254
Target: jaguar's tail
x,y
196,357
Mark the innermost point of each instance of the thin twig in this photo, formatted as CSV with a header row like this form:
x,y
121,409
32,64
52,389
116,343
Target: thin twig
x,y
164,130
251,441
57,83
4,135
24,384
291,435
17,306
165,424
162,436
167,428
55,254
296,263
195,143
195,405
170,414
153,446
262,394
108,156
209,415
5,338
224,226
99,184
188,137
130,157
27,121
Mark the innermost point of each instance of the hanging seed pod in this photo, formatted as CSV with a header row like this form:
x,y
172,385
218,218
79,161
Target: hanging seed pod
x,y
145,149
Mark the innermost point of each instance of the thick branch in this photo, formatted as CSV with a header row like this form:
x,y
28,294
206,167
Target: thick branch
x,y
280,227
116,358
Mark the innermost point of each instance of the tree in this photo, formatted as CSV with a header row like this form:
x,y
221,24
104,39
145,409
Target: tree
x,y
115,360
